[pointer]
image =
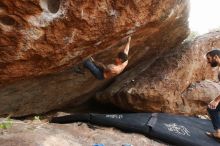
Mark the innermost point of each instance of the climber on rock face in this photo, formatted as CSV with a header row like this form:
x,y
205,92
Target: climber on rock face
x,y
213,58
101,71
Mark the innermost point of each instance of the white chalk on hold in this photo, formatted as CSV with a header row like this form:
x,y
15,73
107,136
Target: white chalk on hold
x,y
47,15
82,13
98,43
130,32
137,24
113,13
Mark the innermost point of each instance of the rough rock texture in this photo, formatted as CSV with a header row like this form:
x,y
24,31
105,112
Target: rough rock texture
x,y
42,36
41,39
78,134
158,88
199,94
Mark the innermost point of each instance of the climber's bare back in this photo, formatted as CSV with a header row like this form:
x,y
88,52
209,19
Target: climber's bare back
x,y
113,70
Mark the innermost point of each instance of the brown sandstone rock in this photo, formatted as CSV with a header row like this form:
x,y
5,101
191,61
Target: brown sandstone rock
x,y
41,39
158,88
199,94
77,134
45,36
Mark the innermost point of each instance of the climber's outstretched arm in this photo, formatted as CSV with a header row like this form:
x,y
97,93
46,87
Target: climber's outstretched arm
x,y
126,49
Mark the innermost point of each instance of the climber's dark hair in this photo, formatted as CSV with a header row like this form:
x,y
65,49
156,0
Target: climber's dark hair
x,y
214,52
123,56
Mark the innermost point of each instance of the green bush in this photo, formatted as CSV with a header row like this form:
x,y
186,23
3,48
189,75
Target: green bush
x,y
6,124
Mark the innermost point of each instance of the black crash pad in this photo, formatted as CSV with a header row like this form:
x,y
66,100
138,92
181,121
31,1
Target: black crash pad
x,y
174,129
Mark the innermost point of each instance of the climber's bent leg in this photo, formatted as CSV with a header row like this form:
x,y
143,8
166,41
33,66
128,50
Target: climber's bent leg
x,y
95,70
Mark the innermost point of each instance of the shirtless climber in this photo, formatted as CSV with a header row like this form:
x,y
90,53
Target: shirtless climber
x,y
101,71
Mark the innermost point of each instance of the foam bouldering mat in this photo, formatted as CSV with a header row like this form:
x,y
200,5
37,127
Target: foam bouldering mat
x,y
174,129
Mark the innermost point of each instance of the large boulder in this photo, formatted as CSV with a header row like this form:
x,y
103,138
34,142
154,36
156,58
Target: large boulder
x,y
199,94
45,36
41,40
159,86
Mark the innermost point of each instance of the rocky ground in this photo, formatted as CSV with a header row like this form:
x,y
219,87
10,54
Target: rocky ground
x,y
35,131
